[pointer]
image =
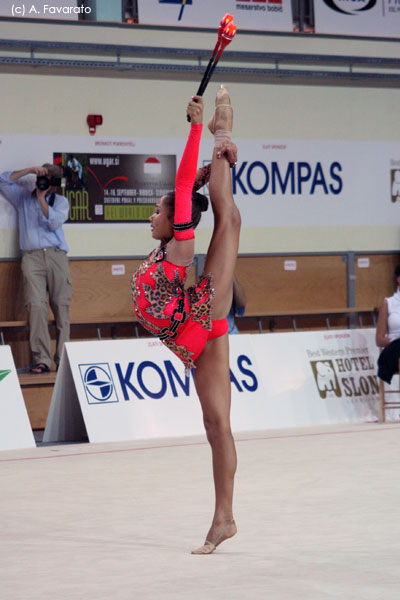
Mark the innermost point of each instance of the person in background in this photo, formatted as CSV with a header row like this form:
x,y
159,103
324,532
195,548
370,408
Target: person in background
x,y
238,305
388,333
45,269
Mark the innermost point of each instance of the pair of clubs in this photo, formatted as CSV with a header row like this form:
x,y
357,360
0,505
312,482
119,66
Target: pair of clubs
x,y
226,32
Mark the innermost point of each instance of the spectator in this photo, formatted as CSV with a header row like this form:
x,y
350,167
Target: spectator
x,y
388,333
45,268
238,305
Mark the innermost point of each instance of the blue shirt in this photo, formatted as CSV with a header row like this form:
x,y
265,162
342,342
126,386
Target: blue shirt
x,y
232,329
35,231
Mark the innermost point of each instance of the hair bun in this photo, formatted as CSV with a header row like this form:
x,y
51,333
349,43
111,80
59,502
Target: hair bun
x,y
201,201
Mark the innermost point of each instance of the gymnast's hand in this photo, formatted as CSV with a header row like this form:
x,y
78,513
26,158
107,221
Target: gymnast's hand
x,y
195,110
228,150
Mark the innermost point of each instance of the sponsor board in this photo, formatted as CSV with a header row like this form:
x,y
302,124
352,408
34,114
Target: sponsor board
x,y
358,17
15,428
137,389
264,15
275,183
319,377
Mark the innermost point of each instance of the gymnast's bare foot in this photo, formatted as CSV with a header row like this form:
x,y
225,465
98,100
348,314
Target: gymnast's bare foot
x,y
222,118
217,535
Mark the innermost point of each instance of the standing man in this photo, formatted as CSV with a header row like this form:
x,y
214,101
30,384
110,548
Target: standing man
x,y
45,267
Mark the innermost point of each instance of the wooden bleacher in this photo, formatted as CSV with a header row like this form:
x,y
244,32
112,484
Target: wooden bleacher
x,y
37,391
313,296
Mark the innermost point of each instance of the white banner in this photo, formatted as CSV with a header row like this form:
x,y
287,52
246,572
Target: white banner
x,y
15,428
313,378
265,15
276,183
317,183
365,17
136,389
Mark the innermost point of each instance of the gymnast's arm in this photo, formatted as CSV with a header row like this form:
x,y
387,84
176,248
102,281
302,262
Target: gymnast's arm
x,y
181,247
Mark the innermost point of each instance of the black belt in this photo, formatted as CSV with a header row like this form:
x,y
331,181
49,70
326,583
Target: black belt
x,y
178,316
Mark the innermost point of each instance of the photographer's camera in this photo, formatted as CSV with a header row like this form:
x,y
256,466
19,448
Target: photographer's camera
x,y
43,182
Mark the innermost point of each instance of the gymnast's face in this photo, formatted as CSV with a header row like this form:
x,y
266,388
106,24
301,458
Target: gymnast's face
x,y
160,224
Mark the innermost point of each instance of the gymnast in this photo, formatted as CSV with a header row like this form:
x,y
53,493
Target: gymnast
x,y
192,322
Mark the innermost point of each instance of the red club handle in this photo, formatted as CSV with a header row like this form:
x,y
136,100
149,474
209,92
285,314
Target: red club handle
x,y
226,38
226,32
226,20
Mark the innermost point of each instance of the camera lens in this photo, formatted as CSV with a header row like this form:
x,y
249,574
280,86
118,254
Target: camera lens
x,y
42,182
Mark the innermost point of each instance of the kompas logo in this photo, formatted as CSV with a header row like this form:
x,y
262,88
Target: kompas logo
x,y
98,383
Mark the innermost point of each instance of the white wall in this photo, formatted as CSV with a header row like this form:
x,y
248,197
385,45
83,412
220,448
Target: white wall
x,y
58,105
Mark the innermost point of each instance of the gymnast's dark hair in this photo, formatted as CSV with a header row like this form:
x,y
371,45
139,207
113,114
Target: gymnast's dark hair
x,y
199,205
397,272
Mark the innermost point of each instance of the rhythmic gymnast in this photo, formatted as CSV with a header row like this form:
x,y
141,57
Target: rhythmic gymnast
x,y
192,323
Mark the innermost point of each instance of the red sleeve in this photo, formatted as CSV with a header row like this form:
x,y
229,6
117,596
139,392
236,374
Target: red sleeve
x,y
185,177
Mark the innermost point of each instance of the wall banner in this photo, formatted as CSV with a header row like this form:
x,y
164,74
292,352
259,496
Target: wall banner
x,y
136,389
264,15
379,18
15,428
276,183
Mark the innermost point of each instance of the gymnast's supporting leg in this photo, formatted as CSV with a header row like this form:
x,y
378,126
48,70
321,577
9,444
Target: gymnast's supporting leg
x,y
214,390
212,376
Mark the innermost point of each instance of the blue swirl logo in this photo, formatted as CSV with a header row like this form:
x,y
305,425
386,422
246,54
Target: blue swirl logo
x,y
98,383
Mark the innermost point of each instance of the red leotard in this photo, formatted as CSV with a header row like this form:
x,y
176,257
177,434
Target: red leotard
x,y
180,318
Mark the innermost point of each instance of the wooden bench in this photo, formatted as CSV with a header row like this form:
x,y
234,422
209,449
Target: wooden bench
x,y
293,315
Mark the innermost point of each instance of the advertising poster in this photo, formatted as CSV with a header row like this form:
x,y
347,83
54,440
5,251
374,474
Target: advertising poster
x,y
137,389
318,377
264,15
379,18
112,183
109,188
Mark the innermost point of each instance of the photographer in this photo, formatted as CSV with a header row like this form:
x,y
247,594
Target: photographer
x,y
45,268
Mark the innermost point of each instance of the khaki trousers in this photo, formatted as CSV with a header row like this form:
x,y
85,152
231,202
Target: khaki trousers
x,y
46,272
